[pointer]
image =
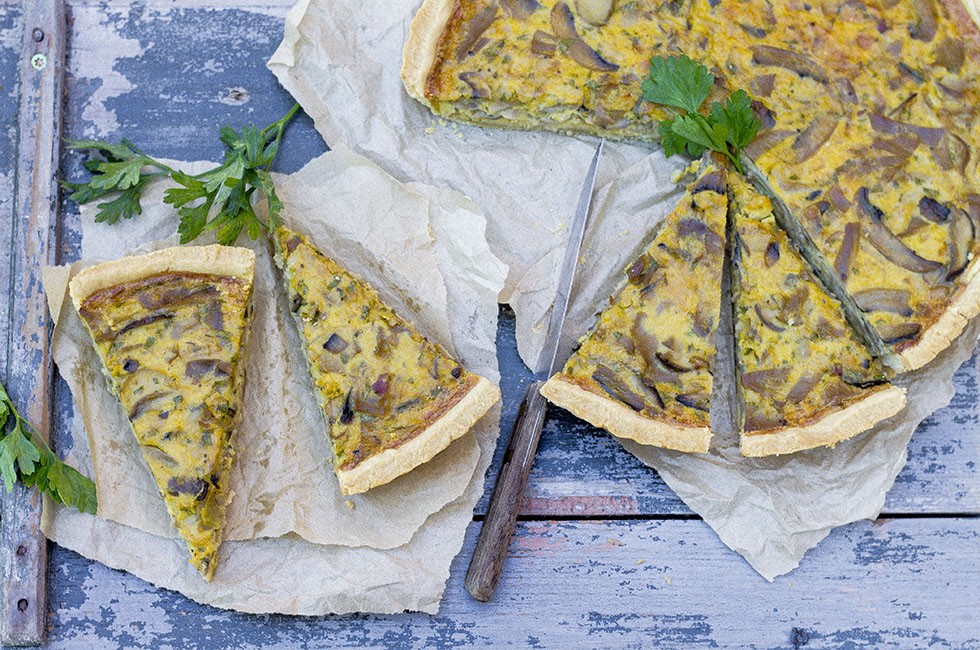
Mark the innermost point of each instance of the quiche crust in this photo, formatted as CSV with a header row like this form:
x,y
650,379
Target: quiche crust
x,y
393,462
212,260
622,421
422,45
827,431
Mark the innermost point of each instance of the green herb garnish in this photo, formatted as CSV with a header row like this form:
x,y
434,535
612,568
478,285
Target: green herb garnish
x,y
681,83
26,457
219,199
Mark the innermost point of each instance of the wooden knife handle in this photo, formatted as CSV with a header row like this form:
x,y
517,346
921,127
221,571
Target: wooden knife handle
x,y
508,492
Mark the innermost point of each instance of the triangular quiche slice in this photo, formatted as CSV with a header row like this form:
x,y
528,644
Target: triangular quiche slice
x,y
645,370
170,328
805,379
391,399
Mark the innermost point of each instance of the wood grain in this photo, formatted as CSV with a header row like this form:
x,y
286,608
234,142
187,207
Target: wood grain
x,y
28,364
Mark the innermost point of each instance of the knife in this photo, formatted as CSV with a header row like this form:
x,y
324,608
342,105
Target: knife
x,y
498,525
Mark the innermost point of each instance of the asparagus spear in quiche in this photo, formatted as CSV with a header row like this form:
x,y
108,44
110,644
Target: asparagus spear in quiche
x,y
391,399
805,379
170,328
645,370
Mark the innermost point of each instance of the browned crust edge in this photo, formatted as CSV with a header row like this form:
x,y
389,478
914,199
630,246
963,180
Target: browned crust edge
x,y
834,427
622,421
422,45
392,463
215,260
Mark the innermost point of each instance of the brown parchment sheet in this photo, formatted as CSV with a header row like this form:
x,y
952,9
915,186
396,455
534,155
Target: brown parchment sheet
x,y
342,61
295,545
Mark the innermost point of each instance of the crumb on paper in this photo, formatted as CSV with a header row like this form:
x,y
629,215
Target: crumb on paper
x,y
350,504
667,580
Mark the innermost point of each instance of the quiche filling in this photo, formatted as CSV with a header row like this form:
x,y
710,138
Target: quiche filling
x,y
172,344
868,110
797,359
379,382
652,350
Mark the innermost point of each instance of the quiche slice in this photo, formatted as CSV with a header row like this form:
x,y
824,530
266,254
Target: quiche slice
x,y
391,399
170,328
645,370
805,379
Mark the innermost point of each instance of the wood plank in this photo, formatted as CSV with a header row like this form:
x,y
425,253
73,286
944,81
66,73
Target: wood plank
x,y
668,584
28,365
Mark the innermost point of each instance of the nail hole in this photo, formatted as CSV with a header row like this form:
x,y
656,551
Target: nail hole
x,y
37,34
22,604
22,550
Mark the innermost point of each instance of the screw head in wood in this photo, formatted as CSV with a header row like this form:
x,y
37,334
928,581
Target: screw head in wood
x,y
39,61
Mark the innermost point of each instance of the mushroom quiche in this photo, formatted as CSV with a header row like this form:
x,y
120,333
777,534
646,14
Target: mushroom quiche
x,y
170,328
391,399
645,370
805,379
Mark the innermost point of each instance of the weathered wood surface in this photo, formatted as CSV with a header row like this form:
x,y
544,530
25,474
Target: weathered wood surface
x,y
27,370
606,554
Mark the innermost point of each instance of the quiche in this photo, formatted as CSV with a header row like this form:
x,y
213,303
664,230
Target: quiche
x,y
170,328
391,399
869,111
804,378
645,370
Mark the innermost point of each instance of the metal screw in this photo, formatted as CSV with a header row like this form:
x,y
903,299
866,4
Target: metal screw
x,y
39,61
37,34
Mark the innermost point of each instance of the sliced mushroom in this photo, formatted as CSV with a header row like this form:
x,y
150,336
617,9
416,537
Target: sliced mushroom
x,y
765,141
475,29
892,333
196,487
335,343
713,182
814,136
772,254
770,318
790,60
961,234
838,200
520,9
887,243
647,345
761,421
752,30
640,271
848,250
933,210
844,90
765,381
543,43
563,25
895,301
803,386
197,368
950,53
762,85
696,401
767,119
694,227
952,153
924,28
141,322
929,135
146,402
616,388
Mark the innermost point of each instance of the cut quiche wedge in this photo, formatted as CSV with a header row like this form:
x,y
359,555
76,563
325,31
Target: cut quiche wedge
x,y
805,380
645,370
171,329
391,399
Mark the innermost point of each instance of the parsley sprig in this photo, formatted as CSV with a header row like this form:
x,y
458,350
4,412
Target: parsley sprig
x,y
220,199
25,456
682,83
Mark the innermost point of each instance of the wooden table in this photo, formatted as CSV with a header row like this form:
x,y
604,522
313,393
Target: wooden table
x,y
605,554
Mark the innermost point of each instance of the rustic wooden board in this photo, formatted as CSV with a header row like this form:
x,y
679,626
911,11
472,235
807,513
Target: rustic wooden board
x,y
28,370
903,583
625,563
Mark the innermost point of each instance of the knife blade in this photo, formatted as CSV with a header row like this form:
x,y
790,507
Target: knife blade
x,y
487,561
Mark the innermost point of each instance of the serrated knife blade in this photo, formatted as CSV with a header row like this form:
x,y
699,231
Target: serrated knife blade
x,y
487,561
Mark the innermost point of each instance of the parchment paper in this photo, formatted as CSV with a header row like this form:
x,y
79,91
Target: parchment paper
x,y
386,550
342,60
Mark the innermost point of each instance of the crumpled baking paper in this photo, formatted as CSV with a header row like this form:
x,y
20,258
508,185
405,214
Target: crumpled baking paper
x,y
294,544
342,61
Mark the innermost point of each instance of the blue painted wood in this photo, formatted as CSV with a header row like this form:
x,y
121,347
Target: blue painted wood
x,y
904,583
640,579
